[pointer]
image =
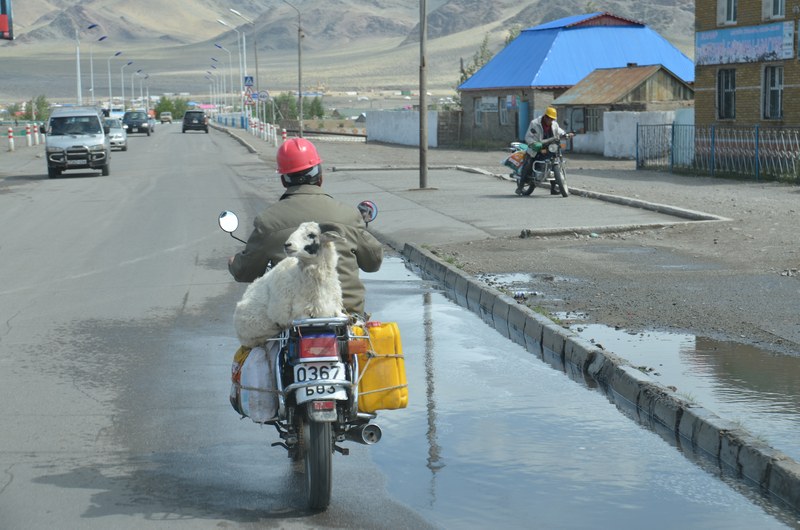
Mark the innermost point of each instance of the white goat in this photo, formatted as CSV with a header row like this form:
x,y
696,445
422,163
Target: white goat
x,y
302,285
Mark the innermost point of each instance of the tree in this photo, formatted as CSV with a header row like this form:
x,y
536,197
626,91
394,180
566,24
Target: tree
x,y
480,58
38,109
177,107
287,106
513,33
315,109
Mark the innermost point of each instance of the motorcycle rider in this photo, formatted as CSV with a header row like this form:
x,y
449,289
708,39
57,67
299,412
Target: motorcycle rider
x,y
300,169
540,129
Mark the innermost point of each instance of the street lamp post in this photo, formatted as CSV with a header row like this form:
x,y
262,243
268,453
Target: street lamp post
x,y
122,82
299,66
224,84
78,60
133,90
255,50
110,99
241,70
91,63
230,63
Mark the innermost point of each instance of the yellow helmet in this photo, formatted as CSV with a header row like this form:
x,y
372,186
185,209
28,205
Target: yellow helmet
x,y
550,112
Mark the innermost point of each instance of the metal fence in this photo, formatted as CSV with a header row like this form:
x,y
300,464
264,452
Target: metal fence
x,y
760,153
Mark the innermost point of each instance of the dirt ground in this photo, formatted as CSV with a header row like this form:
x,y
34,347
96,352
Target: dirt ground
x,y
733,280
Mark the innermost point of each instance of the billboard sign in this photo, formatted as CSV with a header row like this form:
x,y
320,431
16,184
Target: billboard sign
x,y
766,42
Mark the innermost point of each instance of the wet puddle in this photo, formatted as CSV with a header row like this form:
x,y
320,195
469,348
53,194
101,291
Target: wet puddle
x,y
758,389
742,383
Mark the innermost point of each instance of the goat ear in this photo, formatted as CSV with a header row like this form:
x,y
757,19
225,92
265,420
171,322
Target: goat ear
x,y
330,235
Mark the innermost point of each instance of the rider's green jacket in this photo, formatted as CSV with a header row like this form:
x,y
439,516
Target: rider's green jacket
x,y
299,204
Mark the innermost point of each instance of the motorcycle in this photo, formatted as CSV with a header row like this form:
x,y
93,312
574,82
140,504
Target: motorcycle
x,y
319,370
550,167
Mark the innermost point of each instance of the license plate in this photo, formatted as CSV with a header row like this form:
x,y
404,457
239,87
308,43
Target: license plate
x,y
321,374
76,162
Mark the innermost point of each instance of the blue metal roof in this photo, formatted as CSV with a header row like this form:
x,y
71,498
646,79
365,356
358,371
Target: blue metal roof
x,y
560,54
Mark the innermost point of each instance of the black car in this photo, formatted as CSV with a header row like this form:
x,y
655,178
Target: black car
x,y
195,120
136,121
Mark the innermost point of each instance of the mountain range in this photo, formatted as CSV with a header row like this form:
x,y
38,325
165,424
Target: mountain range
x,y
346,45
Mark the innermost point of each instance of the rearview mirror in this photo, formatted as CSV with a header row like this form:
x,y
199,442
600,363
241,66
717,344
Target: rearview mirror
x,y
228,221
368,210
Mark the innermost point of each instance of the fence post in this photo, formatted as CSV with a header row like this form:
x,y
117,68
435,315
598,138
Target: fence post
x,y
713,146
638,164
672,147
10,138
758,165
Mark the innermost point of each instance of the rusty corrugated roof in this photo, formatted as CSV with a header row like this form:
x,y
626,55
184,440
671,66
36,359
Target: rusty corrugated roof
x,y
606,86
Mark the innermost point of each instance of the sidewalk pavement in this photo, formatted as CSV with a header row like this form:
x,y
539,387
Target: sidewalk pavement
x,y
445,210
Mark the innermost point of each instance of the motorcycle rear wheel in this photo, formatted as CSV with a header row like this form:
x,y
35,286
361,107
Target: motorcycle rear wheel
x,y
561,181
318,442
527,187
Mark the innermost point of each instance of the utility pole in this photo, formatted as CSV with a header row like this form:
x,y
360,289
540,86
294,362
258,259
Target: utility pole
x,y
423,106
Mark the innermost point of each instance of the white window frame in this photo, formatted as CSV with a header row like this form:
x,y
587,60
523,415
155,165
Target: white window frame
x,y
773,9
772,93
727,12
502,111
726,91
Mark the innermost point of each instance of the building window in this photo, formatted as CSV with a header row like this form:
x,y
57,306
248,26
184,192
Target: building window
x,y
773,93
727,12
594,119
773,9
478,114
726,94
503,111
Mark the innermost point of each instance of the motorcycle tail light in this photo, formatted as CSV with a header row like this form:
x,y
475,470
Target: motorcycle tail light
x,y
327,404
318,346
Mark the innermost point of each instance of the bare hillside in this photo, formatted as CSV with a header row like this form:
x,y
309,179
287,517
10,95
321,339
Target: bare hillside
x,y
346,45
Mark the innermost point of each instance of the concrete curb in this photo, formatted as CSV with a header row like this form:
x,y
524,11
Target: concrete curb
x,y
734,450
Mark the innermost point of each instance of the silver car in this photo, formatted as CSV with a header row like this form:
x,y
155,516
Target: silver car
x,y
116,134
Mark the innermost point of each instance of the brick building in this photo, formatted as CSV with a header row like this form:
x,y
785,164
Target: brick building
x,y
746,65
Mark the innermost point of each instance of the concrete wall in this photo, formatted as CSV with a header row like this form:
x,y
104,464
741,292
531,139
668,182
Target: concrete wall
x,y
619,130
591,142
400,127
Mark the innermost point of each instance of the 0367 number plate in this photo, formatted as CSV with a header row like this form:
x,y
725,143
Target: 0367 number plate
x,y
319,373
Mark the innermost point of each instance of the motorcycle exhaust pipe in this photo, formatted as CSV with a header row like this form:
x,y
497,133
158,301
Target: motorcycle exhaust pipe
x,y
367,434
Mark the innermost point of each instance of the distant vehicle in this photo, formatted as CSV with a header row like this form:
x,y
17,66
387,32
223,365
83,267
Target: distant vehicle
x,y
195,120
136,121
166,117
76,139
117,136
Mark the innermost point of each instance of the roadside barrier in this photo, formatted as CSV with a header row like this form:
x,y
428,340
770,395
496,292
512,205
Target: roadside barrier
x,y
10,138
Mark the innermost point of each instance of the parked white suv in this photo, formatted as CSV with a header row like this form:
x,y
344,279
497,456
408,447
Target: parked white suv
x,y
76,139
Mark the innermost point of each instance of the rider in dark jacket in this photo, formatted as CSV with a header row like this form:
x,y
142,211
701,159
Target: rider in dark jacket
x,y
301,174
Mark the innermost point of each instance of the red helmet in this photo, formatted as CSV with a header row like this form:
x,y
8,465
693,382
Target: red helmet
x,y
295,155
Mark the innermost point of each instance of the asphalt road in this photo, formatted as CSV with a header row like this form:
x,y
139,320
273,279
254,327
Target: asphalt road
x,y
116,342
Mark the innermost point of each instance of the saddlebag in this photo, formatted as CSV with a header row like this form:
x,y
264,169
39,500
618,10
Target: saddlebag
x,y
253,391
382,371
515,160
